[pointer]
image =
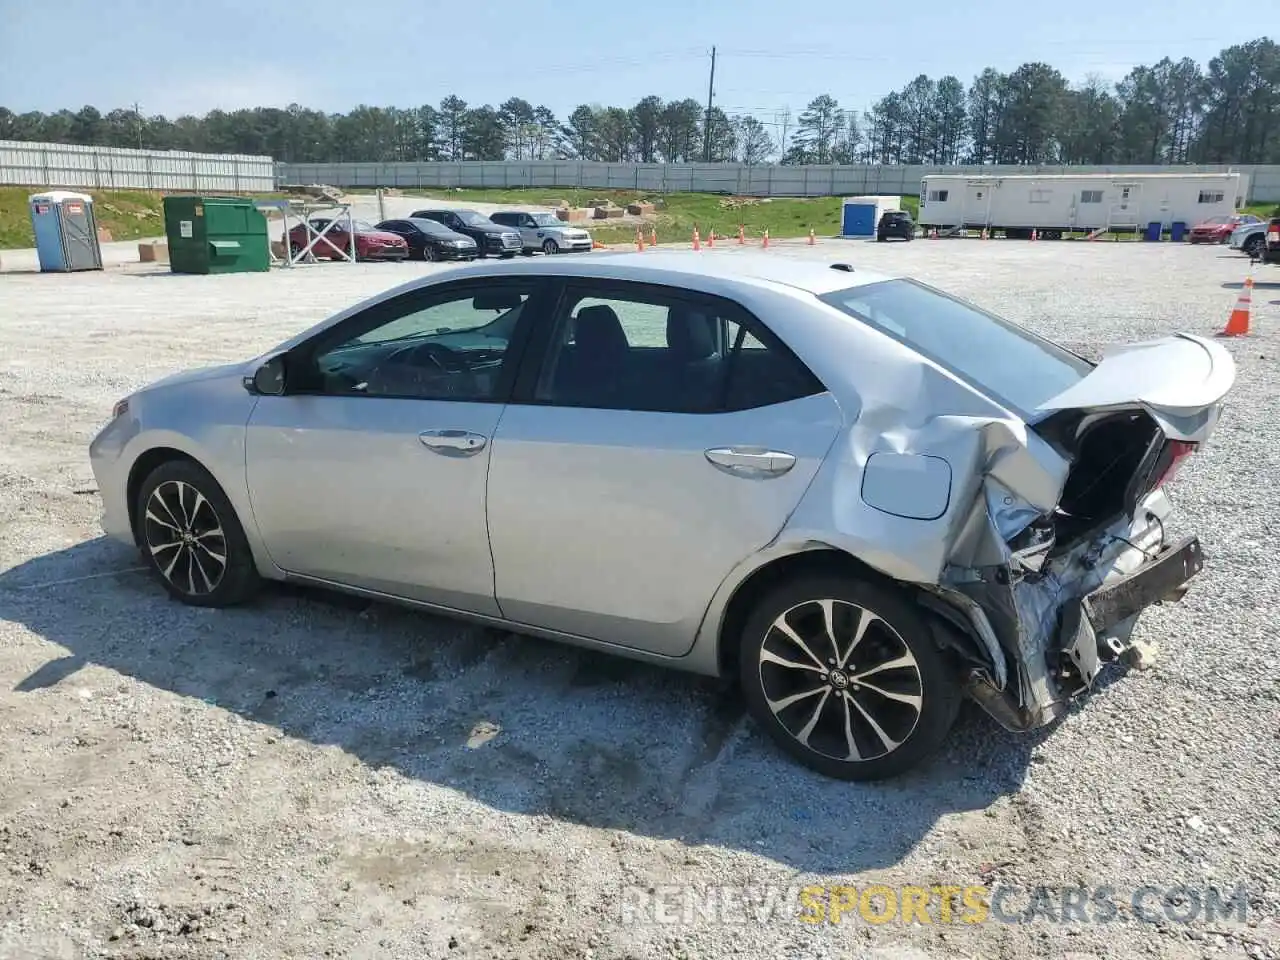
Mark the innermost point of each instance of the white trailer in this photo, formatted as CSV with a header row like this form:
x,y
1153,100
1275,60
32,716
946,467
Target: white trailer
x,y
1095,203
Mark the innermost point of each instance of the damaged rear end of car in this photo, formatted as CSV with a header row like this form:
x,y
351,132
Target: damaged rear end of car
x,y
1067,583
1062,533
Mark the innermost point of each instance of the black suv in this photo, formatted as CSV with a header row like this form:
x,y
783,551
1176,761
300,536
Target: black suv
x,y
895,223
1271,250
490,237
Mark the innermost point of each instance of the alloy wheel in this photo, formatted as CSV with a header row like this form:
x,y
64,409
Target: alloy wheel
x,y
550,247
185,537
840,680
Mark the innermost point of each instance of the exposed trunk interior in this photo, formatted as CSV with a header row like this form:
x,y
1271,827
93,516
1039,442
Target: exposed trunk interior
x,y
1113,462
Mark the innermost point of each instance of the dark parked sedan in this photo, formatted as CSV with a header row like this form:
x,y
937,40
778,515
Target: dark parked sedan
x,y
895,223
429,240
489,236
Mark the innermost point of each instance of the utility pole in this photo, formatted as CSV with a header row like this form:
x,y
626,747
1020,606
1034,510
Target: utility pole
x,y
706,127
137,116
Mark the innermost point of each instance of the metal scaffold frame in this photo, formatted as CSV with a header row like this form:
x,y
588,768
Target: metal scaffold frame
x,y
303,212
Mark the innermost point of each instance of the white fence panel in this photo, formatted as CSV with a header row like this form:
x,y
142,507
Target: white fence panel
x,y
68,165
756,180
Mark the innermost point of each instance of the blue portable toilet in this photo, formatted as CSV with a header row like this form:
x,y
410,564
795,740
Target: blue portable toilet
x,y
66,231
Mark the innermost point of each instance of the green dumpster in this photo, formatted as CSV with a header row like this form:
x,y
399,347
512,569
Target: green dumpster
x,y
216,235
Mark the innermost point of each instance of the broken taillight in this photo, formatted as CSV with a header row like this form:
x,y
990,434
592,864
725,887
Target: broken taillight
x,y
1177,452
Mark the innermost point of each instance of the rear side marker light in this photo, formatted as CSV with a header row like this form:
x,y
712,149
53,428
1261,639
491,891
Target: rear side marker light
x,y
1179,450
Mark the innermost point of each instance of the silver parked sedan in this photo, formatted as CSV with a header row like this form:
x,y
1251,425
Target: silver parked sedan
x,y
860,497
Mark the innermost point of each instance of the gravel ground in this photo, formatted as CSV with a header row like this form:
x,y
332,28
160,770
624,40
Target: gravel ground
x,y
314,777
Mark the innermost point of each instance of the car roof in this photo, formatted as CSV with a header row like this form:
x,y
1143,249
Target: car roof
x,y
686,268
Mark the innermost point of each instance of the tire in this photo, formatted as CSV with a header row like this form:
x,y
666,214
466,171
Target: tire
x,y
550,247
841,742
881,238
429,253
508,256
183,513
1252,248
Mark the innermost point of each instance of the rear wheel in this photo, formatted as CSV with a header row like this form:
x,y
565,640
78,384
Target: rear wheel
x,y
191,538
1253,246
845,676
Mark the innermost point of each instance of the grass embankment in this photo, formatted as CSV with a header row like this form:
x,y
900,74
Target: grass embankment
x,y
676,214
128,214
1264,210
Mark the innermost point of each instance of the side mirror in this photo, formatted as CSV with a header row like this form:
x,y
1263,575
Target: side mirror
x,y
268,379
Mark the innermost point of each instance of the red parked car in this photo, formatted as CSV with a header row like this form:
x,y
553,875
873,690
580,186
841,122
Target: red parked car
x,y
371,243
1218,229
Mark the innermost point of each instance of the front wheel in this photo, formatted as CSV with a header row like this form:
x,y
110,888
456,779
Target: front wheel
x,y
430,253
550,247
190,536
508,256
845,676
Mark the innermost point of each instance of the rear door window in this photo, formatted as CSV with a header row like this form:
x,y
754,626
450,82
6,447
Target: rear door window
x,y
639,347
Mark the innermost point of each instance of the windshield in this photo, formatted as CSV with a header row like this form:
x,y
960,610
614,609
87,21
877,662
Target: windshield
x,y
1008,363
472,219
1215,220
546,219
429,226
362,226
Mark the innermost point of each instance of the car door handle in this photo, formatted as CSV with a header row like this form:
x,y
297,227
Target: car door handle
x,y
751,461
453,442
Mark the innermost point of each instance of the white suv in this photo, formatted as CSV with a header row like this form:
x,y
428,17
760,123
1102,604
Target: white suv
x,y
544,231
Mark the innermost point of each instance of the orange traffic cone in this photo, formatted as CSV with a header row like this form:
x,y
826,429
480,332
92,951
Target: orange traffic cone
x,y
639,241
764,240
1238,322
697,240
597,245
711,237
653,236
742,234
812,239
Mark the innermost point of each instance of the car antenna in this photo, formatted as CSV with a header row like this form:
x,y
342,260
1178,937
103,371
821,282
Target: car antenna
x,y
846,267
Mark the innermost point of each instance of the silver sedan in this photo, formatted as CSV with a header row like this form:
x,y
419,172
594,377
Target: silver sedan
x,y
857,496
